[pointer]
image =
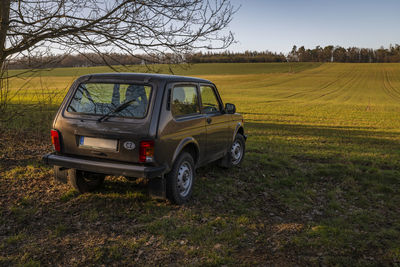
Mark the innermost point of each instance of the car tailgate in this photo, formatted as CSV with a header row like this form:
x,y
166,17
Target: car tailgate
x,y
114,140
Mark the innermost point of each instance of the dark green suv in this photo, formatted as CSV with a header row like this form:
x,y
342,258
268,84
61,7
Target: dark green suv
x,y
160,127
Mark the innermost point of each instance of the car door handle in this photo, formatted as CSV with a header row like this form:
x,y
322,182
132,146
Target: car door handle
x,y
209,120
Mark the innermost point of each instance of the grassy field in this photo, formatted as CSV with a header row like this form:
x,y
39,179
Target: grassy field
x,y
319,186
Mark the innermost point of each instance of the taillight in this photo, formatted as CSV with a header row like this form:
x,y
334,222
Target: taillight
x,y
55,139
146,151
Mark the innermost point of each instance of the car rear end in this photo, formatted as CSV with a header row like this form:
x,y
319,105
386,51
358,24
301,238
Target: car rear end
x,y
107,124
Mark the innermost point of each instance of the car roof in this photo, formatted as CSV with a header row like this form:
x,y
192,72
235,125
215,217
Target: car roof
x,y
142,76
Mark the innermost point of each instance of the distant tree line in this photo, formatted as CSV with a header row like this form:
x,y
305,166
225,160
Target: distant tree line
x,y
236,57
328,53
91,60
339,54
318,54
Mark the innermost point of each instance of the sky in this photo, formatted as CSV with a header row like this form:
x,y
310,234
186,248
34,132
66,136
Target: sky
x,y
277,25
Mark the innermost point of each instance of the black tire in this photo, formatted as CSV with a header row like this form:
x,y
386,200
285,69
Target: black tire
x,y
180,179
85,182
236,153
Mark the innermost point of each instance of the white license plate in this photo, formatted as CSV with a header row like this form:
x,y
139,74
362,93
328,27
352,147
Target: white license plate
x,y
98,143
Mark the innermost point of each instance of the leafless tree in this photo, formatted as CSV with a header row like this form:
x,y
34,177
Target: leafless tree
x,y
166,29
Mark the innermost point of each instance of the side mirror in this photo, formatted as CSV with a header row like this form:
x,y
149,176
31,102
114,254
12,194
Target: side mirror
x,y
230,108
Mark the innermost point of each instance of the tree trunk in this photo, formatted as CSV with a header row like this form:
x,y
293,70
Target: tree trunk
x,y
4,24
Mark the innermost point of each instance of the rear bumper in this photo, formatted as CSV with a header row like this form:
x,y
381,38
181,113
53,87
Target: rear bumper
x,y
111,168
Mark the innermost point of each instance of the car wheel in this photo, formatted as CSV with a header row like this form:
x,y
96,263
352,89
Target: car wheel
x,y
235,154
85,182
180,179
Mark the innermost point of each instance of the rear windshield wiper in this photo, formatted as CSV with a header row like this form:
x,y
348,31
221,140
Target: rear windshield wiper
x,y
116,110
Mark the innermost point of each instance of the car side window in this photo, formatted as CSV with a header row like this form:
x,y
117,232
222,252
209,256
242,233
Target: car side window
x,y
184,101
209,100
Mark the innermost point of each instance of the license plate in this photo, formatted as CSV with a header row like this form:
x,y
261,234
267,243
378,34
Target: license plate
x,y
101,143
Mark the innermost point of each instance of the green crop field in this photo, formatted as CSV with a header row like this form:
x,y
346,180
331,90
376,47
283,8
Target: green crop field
x,y
320,184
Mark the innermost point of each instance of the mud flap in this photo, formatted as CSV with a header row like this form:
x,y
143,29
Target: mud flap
x,y
225,162
158,187
60,174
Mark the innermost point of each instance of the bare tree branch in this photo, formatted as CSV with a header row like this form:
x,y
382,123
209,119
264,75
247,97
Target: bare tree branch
x,y
162,30
175,26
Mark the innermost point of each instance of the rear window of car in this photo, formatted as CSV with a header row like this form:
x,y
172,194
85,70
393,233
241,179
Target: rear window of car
x,y
103,98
